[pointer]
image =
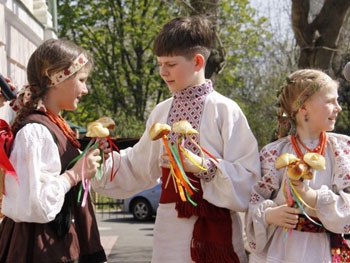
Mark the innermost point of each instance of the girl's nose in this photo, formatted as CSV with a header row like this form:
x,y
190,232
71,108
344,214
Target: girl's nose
x,y
85,89
339,107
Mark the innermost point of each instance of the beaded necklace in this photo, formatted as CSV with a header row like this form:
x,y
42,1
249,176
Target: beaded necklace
x,y
62,124
320,148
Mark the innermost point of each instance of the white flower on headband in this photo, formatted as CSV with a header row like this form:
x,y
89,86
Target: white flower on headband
x,y
62,75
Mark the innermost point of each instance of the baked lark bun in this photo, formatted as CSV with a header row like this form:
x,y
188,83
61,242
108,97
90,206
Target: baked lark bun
x,y
184,127
100,128
315,161
285,159
158,130
106,122
298,170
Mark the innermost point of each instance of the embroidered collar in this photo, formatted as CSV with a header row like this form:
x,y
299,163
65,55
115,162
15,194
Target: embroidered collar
x,y
195,91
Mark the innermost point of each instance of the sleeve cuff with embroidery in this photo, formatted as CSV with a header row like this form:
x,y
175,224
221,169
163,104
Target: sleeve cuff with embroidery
x,y
210,171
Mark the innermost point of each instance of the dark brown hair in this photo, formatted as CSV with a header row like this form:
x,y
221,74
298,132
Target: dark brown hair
x,y
185,36
50,57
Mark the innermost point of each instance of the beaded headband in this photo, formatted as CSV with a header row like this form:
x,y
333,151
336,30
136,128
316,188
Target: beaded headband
x,y
62,75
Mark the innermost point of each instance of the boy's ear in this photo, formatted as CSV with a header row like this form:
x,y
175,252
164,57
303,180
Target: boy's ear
x,y
200,61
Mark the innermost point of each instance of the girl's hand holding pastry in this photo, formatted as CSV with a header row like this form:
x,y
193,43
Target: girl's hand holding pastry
x,y
90,168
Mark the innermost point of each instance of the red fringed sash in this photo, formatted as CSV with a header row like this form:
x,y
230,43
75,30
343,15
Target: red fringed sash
x,y
306,225
339,247
212,233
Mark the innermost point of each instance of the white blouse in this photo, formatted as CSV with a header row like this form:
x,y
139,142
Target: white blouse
x,y
270,243
39,193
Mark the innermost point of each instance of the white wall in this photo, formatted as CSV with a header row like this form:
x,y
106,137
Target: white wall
x,y
24,25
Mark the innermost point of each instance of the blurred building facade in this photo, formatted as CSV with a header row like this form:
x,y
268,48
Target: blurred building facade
x,y
24,25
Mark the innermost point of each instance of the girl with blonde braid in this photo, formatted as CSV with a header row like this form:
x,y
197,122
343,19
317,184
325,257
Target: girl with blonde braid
x,y
277,232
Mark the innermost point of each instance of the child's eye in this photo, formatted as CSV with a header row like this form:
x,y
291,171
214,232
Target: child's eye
x,y
162,65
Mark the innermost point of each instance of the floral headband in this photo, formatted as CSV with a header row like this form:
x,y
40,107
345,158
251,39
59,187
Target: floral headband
x,y
62,75
24,95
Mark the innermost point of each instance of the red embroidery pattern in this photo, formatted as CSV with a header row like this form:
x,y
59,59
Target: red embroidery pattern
x,y
252,245
254,198
188,105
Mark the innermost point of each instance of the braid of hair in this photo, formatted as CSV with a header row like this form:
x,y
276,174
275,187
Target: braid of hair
x,y
297,89
29,107
285,120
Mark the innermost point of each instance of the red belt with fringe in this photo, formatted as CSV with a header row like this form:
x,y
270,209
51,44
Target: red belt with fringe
x,y
212,232
339,247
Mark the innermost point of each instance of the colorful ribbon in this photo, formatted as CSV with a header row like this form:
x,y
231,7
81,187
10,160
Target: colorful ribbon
x,y
294,199
86,182
176,170
176,153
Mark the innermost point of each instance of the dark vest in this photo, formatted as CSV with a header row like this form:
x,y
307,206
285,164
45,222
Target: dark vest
x,y
72,236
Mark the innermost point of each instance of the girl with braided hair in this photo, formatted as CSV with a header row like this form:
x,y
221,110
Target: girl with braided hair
x,y
309,232
43,222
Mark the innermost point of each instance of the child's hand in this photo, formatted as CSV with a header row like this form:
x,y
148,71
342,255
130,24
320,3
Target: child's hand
x,y
192,162
92,163
283,216
105,148
165,160
306,193
12,86
189,166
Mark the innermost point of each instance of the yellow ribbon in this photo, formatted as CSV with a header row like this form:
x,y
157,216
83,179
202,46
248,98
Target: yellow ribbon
x,y
181,182
299,197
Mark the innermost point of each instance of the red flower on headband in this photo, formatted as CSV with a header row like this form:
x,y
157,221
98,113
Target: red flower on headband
x,y
66,72
77,64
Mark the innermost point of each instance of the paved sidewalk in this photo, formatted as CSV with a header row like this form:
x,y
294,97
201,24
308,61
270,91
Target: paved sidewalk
x,y
124,239
108,243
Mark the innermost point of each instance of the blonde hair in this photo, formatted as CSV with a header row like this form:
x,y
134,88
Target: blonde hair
x,y
297,89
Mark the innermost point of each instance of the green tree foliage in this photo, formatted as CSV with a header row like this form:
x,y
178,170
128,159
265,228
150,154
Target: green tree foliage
x,y
244,77
125,84
119,35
